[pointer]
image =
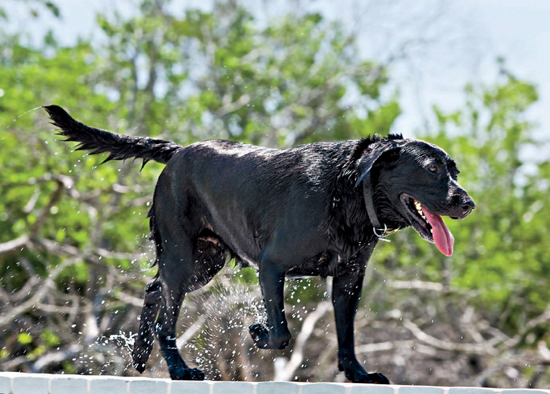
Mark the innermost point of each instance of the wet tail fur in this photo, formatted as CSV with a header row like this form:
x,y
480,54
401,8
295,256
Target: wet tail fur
x,y
119,146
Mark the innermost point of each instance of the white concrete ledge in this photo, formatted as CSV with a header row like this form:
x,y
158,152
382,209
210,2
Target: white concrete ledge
x,y
22,383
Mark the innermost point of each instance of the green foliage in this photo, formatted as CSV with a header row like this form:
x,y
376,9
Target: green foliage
x,y
513,193
34,8
279,85
24,338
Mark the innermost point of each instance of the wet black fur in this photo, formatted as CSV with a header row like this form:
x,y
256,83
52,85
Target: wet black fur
x,y
118,146
293,212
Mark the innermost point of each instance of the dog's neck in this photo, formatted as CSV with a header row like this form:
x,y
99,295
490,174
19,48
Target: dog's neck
x,y
380,230
349,224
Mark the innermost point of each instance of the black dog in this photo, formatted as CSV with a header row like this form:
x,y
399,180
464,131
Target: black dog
x,y
317,209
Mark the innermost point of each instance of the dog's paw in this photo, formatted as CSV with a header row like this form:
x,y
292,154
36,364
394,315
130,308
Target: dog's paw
x,y
356,374
187,374
139,358
260,335
140,367
364,377
376,378
266,339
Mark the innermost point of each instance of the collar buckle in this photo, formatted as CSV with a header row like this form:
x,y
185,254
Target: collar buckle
x,y
381,234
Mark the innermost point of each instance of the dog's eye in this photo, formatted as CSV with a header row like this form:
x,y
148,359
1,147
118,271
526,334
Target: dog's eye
x,y
432,168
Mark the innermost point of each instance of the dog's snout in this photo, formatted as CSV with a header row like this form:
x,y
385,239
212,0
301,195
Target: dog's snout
x,y
468,204
463,205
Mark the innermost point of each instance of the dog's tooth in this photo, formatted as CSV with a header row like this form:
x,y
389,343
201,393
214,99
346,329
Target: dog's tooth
x,y
418,207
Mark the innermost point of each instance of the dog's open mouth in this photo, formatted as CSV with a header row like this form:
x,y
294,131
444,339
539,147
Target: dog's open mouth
x,y
429,225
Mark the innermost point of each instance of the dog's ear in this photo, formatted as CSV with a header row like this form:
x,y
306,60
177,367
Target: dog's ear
x,y
370,156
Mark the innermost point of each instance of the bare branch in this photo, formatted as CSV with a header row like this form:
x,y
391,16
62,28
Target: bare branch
x,y
415,284
56,357
9,315
188,334
17,243
542,318
284,370
450,346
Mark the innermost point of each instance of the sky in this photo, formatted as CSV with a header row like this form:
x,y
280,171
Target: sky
x,y
458,42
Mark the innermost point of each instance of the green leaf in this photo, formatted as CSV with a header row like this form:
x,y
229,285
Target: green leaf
x,y
54,9
24,338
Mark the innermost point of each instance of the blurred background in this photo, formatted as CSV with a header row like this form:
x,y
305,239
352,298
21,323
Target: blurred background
x,y
470,76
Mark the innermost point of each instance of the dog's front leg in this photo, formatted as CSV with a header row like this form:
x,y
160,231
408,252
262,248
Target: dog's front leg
x,y
346,291
275,334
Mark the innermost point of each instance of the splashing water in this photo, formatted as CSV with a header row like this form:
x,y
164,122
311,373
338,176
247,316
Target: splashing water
x,y
123,340
212,332
226,310
20,116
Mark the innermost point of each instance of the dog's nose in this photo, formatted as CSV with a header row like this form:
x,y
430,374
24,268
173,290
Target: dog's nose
x,y
468,204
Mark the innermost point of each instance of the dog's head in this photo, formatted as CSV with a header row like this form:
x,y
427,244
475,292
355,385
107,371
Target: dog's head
x,y
414,183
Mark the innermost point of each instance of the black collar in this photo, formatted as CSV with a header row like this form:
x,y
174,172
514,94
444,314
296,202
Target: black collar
x,y
380,231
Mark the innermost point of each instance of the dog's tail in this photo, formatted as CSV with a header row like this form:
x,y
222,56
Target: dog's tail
x,y
118,146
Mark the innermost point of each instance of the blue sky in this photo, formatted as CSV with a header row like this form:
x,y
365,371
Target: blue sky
x,y
463,40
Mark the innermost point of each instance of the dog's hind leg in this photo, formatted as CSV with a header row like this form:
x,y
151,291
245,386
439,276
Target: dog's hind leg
x,y
166,334
188,257
145,338
176,265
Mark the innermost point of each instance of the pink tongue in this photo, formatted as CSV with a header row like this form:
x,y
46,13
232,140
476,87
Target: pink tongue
x,y
443,238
